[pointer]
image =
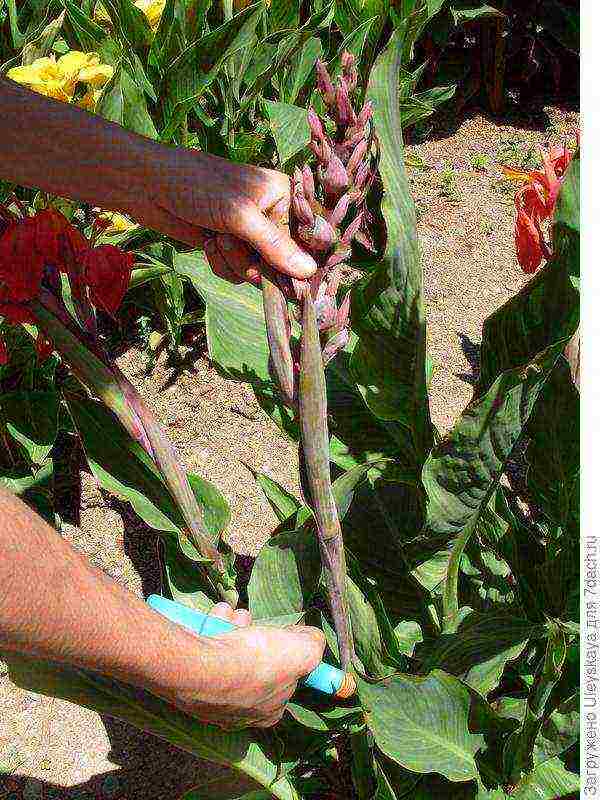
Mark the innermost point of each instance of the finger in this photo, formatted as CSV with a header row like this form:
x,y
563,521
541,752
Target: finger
x,y
218,264
223,611
273,243
307,651
242,618
236,254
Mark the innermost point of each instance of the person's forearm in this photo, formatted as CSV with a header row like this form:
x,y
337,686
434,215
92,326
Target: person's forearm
x,y
55,606
65,151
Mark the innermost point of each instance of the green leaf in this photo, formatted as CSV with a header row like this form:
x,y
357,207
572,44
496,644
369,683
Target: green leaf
x,y
191,73
422,723
125,470
562,22
240,750
281,501
80,29
123,102
469,11
283,14
388,362
464,470
290,129
36,490
31,418
235,324
547,308
42,44
285,574
129,23
481,648
168,296
553,451
300,68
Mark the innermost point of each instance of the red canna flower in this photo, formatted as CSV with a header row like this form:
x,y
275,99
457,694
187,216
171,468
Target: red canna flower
x,y
21,263
107,272
535,202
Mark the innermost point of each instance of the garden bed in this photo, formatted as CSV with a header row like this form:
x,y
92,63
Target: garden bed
x,y
466,213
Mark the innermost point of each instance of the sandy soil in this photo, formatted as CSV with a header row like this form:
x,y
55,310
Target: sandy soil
x,y
49,748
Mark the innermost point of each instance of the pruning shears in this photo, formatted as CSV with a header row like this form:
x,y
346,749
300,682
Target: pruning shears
x,y
324,678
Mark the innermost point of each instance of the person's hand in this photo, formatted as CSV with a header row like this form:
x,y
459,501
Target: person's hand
x,y
244,678
246,207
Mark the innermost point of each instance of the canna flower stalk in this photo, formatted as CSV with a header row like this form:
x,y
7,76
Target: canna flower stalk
x,y
33,251
328,214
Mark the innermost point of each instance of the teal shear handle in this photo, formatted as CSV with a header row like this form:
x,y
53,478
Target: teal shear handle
x,y
324,678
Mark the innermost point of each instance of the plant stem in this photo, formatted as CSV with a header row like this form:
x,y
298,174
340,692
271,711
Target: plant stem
x,y
315,448
121,397
278,336
519,748
450,594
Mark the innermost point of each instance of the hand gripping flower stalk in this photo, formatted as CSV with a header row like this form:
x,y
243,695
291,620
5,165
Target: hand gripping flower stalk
x,y
33,253
328,213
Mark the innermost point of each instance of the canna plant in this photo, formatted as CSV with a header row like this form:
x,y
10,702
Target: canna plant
x,y
455,611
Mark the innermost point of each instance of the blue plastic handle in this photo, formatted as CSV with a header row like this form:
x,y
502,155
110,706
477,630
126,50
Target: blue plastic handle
x,y
324,678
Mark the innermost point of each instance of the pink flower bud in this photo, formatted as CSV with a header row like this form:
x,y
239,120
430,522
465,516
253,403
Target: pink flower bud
x,y
349,70
341,253
319,236
316,127
343,313
365,239
351,230
335,180
326,312
322,150
343,109
357,156
324,83
334,344
302,209
340,210
308,183
365,114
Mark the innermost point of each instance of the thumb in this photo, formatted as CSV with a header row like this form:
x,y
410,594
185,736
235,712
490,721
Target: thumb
x,y
306,649
273,243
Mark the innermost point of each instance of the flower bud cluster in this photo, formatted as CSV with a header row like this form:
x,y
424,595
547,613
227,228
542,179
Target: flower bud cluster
x,y
329,197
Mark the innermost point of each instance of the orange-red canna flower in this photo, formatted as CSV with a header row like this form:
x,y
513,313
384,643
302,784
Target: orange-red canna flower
x,y
107,271
535,202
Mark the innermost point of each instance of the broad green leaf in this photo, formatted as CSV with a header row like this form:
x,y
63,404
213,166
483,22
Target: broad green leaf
x,y
125,470
123,102
561,20
422,723
191,73
470,11
300,68
243,751
553,451
393,783
80,30
481,648
290,129
423,104
235,323
283,14
285,574
548,781
41,45
36,490
129,23
365,630
388,362
464,470
281,501
547,308
31,418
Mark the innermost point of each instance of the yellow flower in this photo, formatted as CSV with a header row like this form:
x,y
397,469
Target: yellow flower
x,y
58,79
89,99
152,10
118,223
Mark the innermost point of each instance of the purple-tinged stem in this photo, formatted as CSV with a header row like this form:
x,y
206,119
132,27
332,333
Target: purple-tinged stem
x,y
278,335
315,450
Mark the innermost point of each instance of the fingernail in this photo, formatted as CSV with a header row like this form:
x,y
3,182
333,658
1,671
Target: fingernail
x,y
303,265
